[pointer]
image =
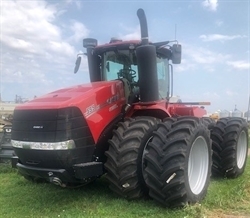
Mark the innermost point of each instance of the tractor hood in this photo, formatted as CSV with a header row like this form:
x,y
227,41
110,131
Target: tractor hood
x,y
74,96
97,104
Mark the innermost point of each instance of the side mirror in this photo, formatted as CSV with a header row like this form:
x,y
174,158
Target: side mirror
x,y
77,64
176,54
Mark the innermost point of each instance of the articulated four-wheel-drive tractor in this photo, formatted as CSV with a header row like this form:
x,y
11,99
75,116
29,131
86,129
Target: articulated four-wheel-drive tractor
x,y
124,125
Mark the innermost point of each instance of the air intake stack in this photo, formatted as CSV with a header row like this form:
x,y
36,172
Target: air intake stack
x,y
146,60
93,60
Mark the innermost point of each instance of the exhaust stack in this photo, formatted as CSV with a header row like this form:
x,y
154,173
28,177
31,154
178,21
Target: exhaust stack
x,y
144,27
93,60
146,60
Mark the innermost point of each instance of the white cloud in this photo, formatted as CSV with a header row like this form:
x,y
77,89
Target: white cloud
x,y
240,65
219,23
33,47
210,4
79,30
219,37
133,34
185,66
211,95
76,2
231,93
36,19
199,58
205,56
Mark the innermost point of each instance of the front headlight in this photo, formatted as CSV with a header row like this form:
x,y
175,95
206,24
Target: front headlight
x,y
65,145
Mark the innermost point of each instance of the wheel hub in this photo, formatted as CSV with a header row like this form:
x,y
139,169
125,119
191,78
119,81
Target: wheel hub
x,y
198,165
241,149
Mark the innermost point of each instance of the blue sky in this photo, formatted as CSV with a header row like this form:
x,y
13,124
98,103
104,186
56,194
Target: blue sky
x,y
40,41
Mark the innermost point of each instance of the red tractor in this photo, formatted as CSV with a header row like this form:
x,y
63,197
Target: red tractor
x,y
124,125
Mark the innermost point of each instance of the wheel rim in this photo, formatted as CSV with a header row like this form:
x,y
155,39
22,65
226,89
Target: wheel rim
x,y
198,165
241,149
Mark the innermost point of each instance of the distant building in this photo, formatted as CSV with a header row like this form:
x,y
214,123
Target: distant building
x,y
7,108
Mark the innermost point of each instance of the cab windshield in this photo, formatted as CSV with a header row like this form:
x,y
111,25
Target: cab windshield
x,y
122,64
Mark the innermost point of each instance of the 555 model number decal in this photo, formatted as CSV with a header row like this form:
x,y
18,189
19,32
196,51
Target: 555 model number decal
x,y
90,110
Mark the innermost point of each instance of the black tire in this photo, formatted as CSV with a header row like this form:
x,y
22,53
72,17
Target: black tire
x,y
124,158
208,122
178,156
230,147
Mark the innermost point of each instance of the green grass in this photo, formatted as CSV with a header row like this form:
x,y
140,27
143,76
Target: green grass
x,y
21,198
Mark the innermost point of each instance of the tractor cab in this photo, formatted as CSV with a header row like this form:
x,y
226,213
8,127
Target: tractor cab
x,y
118,60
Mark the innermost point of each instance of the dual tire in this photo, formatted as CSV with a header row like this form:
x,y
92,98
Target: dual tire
x,y
179,162
172,161
230,147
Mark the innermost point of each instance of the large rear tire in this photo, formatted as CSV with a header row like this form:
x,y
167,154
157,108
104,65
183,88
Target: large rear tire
x,y
179,162
230,147
125,167
208,122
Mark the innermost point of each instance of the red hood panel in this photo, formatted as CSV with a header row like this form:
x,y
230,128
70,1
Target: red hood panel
x,y
99,102
68,97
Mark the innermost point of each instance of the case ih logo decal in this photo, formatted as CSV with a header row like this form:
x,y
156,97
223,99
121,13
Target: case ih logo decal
x,y
37,127
113,99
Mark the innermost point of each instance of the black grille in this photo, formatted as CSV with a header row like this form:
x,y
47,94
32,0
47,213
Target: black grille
x,y
51,125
